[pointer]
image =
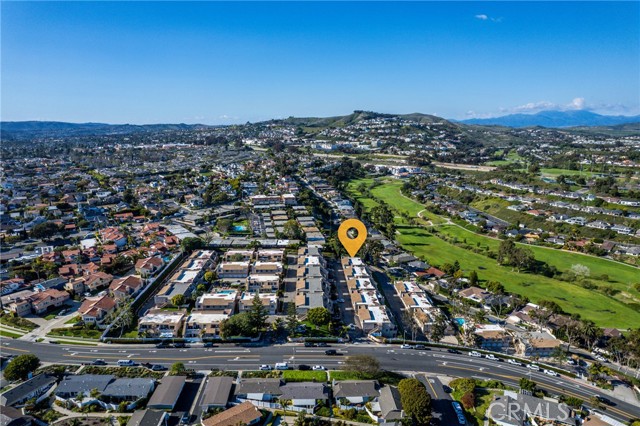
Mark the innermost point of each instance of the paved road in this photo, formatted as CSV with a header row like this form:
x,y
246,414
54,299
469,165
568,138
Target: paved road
x,y
441,400
432,362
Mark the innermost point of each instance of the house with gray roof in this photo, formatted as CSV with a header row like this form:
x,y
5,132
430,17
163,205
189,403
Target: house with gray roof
x,y
82,385
304,394
217,392
128,389
167,393
32,388
258,389
10,416
355,393
148,418
387,408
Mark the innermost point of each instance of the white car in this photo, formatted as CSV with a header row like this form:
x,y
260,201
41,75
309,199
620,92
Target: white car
x,y
318,368
550,373
533,367
265,367
601,358
513,361
405,346
492,357
475,354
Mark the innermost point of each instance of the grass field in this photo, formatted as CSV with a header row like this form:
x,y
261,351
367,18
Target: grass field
x,y
304,376
9,334
606,311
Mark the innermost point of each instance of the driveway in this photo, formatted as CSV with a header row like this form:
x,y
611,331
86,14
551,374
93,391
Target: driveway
x,y
47,325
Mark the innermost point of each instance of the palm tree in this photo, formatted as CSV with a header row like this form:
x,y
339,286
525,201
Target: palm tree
x,y
591,332
284,403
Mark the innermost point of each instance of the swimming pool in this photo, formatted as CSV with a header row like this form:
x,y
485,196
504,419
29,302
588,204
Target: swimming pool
x,y
460,321
239,228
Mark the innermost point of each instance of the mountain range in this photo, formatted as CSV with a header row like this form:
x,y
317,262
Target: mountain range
x,y
571,118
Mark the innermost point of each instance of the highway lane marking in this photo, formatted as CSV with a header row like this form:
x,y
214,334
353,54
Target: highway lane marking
x,y
15,349
155,358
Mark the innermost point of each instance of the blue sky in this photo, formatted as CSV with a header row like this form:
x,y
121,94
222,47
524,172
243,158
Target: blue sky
x,y
218,63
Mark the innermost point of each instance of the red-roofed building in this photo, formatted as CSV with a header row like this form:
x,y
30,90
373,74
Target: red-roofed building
x,y
126,286
93,311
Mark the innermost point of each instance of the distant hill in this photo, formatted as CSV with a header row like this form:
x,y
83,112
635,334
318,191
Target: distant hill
x,y
555,119
16,130
355,117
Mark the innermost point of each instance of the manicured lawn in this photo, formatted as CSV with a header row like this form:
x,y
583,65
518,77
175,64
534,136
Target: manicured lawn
x,y
606,311
9,334
344,375
72,332
304,376
75,342
17,322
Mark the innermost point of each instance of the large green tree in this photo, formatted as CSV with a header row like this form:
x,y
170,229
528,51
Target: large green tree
x,y
319,316
416,401
257,315
20,367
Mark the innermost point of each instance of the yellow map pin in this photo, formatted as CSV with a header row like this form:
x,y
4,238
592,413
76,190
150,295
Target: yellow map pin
x,y
352,244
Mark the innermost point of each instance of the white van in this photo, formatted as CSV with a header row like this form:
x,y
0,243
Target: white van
x,y
125,363
282,366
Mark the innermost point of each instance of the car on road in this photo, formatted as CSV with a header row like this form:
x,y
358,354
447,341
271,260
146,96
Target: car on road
x,y
146,365
304,367
99,362
475,354
421,347
604,400
319,368
492,357
323,345
453,351
180,345
514,362
158,367
534,367
340,300
309,345
265,367
330,352
126,363
405,346
550,372
600,358
163,345
282,366
209,345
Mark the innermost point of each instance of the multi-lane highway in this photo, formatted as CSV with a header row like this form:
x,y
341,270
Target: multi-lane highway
x,y
433,362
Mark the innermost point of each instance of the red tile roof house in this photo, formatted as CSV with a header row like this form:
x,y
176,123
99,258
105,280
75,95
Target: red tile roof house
x,y
149,266
93,311
41,302
70,270
90,268
126,286
97,280
71,255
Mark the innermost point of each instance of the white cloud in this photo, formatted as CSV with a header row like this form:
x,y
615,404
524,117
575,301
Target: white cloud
x,y
484,17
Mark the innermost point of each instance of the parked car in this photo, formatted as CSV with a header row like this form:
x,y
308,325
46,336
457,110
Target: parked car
x,y
406,346
453,351
318,368
209,345
492,357
126,363
330,352
309,345
475,354
421,347
99,362
340,300
158,367
265,367
304,367
323,345
550,373
163,345
513,361
180,345
282,366
185,419
534,367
